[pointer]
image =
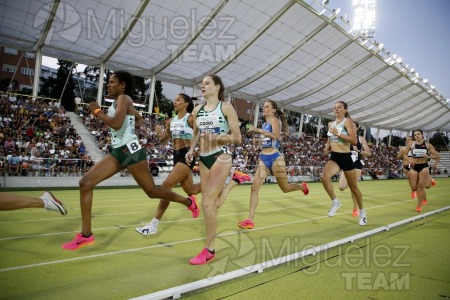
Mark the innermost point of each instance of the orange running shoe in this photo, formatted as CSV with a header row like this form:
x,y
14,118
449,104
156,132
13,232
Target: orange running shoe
x,y
419,209
355,212
305,188
241,177
424,202
247,224
433,182
414,195
194,208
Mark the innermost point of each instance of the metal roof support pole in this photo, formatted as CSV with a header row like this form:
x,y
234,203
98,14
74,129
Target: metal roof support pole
x,y
378,137
193,90
319,125
390,138
300,129
37,72
101,81
152,95
255,121
65,84
365,132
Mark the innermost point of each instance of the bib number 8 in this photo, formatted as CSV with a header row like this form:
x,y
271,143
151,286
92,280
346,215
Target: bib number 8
x,y
133,146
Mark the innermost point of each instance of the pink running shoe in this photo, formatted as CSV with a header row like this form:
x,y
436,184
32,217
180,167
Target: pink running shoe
x,y
305,188
247,224
414,195
194,208
355,213
419,209
78,242
202,258
241,177
424,202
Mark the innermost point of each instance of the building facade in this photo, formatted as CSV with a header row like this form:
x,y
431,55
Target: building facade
x,y
17,67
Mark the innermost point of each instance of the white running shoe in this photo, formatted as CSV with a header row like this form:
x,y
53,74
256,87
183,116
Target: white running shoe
x,y
147,229
53,204
334,209
362,220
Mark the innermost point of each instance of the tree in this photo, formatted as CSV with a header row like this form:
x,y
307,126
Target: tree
x,y
92,74
27,91
439,139
4,83
63,90
396,141
165,105
47,86
158,89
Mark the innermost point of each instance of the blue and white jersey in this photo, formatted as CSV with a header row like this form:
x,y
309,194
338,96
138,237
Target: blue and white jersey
x,y
266,141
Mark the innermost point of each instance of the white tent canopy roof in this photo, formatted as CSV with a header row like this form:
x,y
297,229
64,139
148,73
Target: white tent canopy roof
x,y
297,53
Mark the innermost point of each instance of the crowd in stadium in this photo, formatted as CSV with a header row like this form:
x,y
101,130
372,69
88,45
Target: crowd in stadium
x,y
37,138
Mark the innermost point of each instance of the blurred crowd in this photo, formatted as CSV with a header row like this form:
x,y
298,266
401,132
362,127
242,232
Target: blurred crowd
x,y
38,139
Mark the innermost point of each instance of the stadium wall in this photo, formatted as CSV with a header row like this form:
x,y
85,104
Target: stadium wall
x,y
13,182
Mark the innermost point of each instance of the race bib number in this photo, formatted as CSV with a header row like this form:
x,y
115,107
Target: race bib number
x,y
133,146
354,156
419,152
177,129
208,124
210,130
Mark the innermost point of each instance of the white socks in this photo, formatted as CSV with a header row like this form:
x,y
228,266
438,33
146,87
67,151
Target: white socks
x,y
154,222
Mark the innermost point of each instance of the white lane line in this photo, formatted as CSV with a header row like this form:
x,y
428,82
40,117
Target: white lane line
x,y
175,243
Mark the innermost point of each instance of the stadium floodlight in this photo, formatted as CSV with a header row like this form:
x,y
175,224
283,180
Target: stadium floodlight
x,y
425,81
364,17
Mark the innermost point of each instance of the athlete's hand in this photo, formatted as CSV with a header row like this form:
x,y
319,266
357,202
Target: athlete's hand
x,y
189,157
252,128
93,106
334,131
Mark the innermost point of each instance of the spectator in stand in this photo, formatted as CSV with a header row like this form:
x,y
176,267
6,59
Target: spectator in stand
x,y
13,161
10,145
342,134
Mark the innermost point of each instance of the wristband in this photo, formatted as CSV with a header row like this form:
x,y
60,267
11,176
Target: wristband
x,y
96,111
